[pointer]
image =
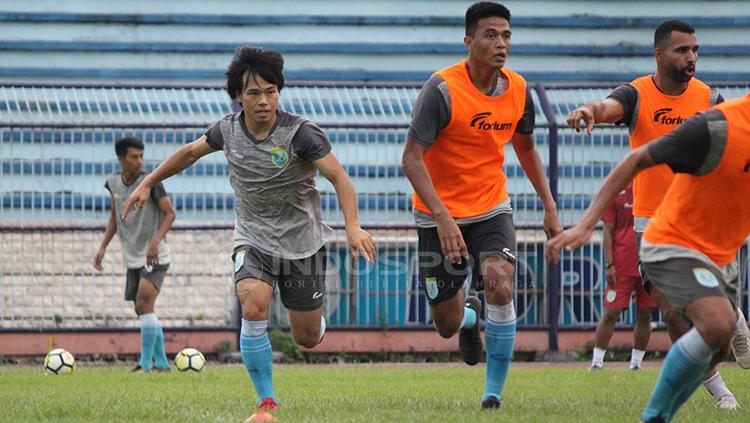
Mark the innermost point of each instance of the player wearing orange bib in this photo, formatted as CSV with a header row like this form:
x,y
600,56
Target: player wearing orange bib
x,y
653,106
462,120
689,248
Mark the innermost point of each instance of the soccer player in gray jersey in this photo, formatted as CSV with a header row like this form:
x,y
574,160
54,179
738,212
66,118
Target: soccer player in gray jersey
x,y
145,250
279,232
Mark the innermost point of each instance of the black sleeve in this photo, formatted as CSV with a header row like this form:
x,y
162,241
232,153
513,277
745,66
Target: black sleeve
x,y
431,112
719,99
158,192
696,147
526,124
214,137
106,185
627,96
310,143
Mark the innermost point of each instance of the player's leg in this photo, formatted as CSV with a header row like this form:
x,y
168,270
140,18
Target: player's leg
x,y
689,285
615,300
642,333
143,294
303,289
254,278
603,334
443,284
493,242
151,282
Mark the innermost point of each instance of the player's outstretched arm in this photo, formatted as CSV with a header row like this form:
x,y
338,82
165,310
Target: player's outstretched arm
x,y
606,111
360,241
451,241
180,160
531,163
109,233
616,181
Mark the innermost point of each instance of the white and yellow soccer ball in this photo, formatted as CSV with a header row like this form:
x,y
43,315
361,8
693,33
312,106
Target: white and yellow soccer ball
x,y
59,362
189,359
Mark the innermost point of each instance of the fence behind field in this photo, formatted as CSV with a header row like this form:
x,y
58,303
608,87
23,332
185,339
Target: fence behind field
x,y
56,147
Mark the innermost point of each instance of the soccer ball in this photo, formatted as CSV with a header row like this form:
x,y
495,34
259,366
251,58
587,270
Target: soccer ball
x,y
189,359
59,362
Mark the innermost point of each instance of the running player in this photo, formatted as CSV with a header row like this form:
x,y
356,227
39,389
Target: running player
x,y
145,251
652,106
279,233
689,250
623,279
462,120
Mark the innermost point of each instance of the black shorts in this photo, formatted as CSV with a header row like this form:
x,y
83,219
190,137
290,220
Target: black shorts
x,y
440,279
301,282
154,274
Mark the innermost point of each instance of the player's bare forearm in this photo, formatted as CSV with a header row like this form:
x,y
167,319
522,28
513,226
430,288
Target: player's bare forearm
x,y
614,183
415,170
168,217
178,161
111,229
347,199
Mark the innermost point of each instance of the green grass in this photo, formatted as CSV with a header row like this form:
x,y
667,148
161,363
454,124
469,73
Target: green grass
x,y
328,393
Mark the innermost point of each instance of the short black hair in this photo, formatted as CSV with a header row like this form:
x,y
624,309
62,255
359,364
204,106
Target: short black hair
x,y
484,9
251,61
122,145
664,30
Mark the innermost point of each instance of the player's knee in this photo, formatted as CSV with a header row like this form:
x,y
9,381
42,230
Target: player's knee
x,y
143,305
306,339
718,332
611,315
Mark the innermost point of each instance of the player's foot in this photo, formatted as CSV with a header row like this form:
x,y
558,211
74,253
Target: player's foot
x,y
728,402
657,419
595,368
264,411
634,367
470,340
740,341
491,403
139,369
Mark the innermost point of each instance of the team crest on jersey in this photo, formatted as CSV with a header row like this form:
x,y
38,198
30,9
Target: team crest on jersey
x,y
611,295
279,157
705,277
431,287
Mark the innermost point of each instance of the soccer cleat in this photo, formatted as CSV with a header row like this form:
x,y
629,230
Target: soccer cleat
x,y
740,341
263,414
491,403
634,367
139,369
595,368
470,340
728,402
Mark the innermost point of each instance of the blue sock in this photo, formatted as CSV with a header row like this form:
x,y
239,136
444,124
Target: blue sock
x,y
257,355
682,372
470,318
499,339
148,340
160,356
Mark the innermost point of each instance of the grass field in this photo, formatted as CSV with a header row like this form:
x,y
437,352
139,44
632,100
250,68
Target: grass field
x,y
362,393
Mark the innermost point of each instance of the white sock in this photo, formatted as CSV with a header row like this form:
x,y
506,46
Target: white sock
x,y
322,328
149,319
716,386
501,313
636,357
598,357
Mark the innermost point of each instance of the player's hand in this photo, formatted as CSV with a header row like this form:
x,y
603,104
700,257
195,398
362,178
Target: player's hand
x,y
152,255
136,200
584,114
551,223
570,240
98,259
451,240
360,243
611,277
